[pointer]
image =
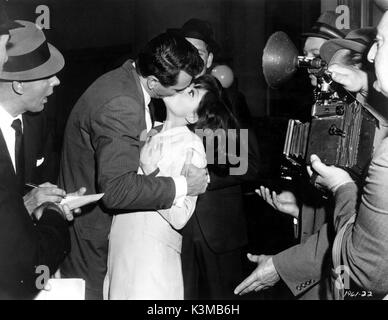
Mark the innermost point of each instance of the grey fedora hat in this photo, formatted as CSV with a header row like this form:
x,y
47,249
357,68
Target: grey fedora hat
x,y
30,56
357,40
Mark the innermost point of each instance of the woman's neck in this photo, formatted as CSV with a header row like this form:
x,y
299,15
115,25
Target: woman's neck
x,y
172,121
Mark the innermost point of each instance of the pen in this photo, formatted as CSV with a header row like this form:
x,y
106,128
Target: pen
x,y
32,185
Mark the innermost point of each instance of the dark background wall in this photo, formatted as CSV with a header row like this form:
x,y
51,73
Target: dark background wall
x,y
98,35
120,27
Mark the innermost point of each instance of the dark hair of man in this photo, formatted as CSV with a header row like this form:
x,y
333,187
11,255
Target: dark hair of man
x,y
165,56
214,113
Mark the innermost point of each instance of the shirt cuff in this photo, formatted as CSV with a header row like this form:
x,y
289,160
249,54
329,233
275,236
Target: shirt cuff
x,y
180,190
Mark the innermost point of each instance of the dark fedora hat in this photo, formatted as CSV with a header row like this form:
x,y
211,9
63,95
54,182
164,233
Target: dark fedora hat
x,y
30,56
199,29
357,40
5,23
325,27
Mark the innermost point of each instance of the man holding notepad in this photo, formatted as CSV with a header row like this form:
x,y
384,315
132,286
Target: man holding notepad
x,y
38,238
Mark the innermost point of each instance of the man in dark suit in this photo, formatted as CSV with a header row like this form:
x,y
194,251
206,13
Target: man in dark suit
x,y
103,138
42,239
41,157
24,99
215,237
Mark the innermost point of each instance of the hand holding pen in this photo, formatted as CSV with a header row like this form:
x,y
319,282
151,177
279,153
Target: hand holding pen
x,y
46,192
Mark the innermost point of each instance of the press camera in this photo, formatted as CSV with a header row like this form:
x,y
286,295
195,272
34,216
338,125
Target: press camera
x,y
341,131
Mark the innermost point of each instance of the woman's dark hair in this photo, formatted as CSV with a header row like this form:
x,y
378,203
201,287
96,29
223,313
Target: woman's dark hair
x,y
214,116
165,56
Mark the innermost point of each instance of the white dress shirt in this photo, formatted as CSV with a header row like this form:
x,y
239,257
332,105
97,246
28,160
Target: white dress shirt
x,y
180,181
8,132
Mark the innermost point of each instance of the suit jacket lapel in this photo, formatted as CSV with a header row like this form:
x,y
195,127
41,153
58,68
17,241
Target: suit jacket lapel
x,y
31,144
132,71
7,170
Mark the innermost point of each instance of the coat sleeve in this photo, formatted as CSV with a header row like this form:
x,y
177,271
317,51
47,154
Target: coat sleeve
x,y
115,137
301,266
178,215
25,245
304,265
365,243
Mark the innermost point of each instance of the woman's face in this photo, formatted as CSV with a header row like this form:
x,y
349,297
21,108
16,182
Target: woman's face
x,y
185,104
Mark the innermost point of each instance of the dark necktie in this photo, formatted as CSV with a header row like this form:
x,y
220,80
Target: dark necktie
x,y
151,107
19,151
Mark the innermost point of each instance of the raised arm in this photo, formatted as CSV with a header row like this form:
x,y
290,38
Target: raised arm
x,y
115,137
365,244
180,212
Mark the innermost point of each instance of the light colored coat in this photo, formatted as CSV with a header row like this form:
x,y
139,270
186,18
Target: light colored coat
x,y
144,249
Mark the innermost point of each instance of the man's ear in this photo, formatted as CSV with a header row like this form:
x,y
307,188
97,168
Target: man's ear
x,y
152,82
209,60
18,87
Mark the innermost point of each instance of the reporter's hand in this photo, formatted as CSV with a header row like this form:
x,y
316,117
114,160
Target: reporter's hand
x,y
328,177
63,210
46,192
352,78
68,214
284,202
197,178
263,277
80,192
39,211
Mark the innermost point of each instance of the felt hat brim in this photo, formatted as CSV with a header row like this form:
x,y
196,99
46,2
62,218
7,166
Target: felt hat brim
x,y
52,66
330,47
8,25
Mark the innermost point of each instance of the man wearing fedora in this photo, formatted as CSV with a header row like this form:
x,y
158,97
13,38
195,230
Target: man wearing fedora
x,y
323,29
40,237
304,267
27,79
300,266
101,150
360,215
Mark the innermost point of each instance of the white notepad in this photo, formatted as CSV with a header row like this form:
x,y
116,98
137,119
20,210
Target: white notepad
x,y
80,201
63,289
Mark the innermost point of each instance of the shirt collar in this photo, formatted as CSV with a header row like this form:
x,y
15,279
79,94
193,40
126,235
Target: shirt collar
x,y
6,119
147,97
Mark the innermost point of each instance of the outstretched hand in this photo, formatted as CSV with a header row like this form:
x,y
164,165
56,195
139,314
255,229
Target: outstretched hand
x,y
263,277
284,202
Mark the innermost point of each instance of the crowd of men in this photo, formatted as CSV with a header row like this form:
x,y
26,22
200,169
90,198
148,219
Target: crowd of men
x,y
348,230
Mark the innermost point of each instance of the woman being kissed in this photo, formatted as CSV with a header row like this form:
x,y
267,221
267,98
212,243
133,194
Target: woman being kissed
x,y
144,247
